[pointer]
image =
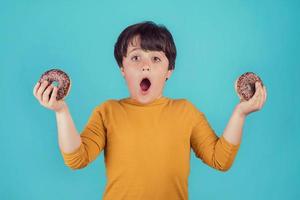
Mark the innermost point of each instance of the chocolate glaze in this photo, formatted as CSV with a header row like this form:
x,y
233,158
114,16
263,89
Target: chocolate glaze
x,y
245,85
57,75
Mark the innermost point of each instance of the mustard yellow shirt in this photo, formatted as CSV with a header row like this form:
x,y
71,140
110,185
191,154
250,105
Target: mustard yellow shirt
x,y
147,147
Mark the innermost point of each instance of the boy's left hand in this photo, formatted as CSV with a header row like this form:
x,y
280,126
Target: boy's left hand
x,y
255,103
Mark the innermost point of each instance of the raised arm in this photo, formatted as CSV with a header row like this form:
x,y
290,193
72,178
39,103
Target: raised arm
x,y
78,150
214,151
220,152
68,138
234,129
93,139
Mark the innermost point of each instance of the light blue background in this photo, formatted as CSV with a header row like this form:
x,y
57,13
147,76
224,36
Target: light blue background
x,y
216,42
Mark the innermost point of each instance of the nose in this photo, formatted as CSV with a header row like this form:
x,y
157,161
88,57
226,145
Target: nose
x,y
146,66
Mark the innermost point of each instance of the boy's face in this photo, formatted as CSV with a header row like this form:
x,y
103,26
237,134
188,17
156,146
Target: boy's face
x,y
139,64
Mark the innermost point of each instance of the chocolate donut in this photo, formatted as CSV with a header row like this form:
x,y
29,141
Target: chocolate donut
x,y
57,75
245,85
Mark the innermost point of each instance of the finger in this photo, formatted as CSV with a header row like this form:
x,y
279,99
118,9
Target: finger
x,y
257,93
260,89
41,90
69,88
262,99
261,93
53,96
235,88
235,84
243,100
264,96
255,101
46,94
257,89
265,93
36,88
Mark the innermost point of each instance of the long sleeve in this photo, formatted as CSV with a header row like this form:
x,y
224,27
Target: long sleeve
x,y
93,139
215,151
129,130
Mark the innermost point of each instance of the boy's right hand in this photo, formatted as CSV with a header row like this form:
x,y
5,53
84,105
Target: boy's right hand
x,y
42,92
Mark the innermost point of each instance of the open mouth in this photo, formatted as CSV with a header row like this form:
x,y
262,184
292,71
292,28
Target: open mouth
x,y
145,84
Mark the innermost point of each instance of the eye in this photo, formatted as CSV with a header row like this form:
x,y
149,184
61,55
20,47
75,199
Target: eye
x,y
156,59
134,58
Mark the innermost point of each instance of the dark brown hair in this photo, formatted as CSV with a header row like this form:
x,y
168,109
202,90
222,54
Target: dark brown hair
x,y
153,37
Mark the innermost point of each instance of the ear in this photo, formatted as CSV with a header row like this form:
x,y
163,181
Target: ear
x,y
122,71
169,73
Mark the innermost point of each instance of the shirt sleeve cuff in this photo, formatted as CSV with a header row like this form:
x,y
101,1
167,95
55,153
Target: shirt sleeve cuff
x,y
228,145
75,153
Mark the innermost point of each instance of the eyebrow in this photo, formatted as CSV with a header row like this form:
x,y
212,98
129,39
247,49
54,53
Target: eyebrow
x,y
133,50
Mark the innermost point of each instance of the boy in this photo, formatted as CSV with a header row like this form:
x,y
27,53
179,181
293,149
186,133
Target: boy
x,y
147,137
